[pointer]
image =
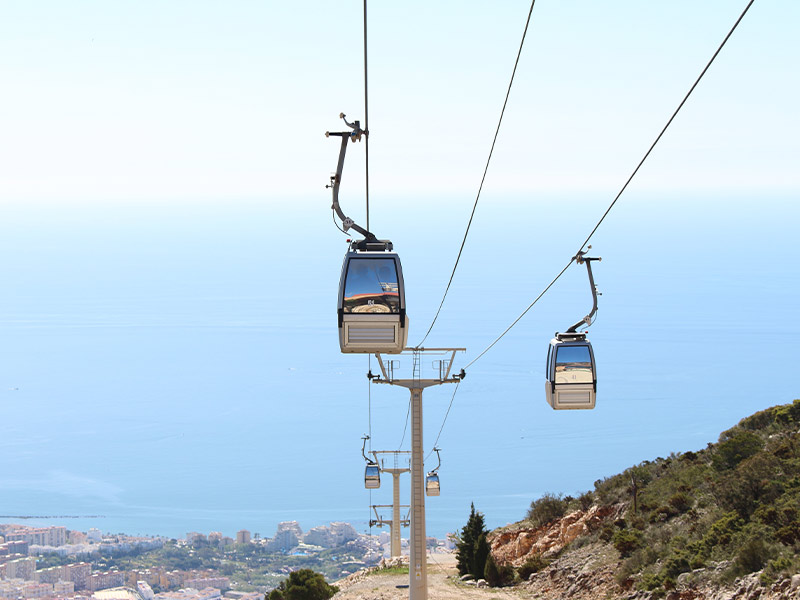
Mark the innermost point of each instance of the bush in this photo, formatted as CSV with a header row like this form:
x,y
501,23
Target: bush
x,y
650,581
789,413
585,500
497,575
752,555
534,564
754,482
304,584
626,541
491,573
547,509
675,565
680,501
734,446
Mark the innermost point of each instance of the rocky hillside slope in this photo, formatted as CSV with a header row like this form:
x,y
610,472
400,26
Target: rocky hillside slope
x,y
723,522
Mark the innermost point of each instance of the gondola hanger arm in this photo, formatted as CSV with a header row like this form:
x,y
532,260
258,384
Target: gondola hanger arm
x,y
582,258
363,448
336,179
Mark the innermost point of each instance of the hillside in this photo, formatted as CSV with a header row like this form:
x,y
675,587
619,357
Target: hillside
x,y
695,524
717,524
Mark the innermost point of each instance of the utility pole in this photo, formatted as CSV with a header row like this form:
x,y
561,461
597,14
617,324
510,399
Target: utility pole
x,y
395,471
418,566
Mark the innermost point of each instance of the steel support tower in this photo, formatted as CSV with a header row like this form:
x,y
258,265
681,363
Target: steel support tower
x,y
395,523
418,566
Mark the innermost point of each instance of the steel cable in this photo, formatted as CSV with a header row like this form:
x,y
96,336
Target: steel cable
x,y
608,210
483,179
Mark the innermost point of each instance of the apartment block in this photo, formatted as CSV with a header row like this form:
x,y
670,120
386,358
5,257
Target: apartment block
x,y
40,536
22,568
199,583
109,579
243,537
63,588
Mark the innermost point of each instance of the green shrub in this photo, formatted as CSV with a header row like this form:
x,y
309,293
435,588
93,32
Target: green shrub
x,y
303,584
650,581
734,446
789,534
675,565
752,555
497,575
491,573
789,413
755,482
534,564
680,501
626,541
547,509
585,500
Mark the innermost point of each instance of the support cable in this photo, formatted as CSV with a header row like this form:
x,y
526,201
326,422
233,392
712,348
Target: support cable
x,y
369,400
366,112
677,110
436,443
485,170
608,210
403,439
624,187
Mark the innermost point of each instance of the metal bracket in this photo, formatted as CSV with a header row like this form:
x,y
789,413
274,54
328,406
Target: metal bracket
x,y
581,258
336,180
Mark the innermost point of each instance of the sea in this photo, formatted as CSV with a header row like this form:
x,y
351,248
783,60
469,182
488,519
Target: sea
x,y
168,367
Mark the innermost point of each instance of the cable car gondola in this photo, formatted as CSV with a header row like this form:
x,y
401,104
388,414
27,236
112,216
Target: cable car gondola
x,y
372,472
571,370
432,487
372,308
372,476
371,305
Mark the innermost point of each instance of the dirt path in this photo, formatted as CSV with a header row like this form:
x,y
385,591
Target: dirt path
x,y
443,584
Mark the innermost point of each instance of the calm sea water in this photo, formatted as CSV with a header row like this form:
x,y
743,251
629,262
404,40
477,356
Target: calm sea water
x,y
176,368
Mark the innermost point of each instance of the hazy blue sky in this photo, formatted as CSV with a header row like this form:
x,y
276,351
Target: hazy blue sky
x,y
109,101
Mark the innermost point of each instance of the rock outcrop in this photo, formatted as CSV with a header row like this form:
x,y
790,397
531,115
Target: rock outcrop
x,y
516,546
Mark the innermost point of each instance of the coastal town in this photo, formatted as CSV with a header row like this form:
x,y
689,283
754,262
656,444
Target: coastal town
x,y
58,563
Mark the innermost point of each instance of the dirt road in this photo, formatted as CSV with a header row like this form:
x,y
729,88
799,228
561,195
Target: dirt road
x,y
443,584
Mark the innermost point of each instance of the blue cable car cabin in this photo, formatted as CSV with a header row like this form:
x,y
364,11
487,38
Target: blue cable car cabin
x,y
372,476
571,372
432,487
372,306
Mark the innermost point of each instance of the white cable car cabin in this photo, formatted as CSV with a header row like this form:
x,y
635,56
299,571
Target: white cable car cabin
x,y
571,372
372,476
432,487
372,305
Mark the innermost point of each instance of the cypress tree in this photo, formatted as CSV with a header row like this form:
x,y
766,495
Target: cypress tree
x,y
472,548
481,554
491,573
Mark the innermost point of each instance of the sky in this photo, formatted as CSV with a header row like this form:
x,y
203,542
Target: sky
x,y
162,207
161,102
